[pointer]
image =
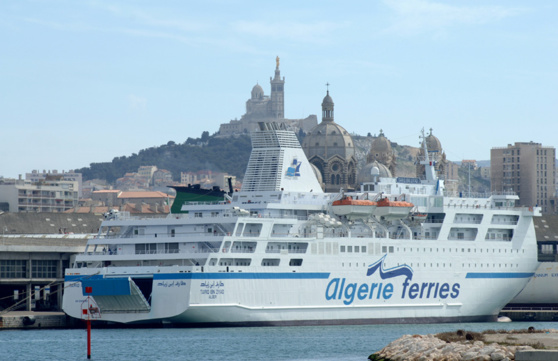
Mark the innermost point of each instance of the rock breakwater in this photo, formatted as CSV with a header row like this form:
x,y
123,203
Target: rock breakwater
x,y
459,346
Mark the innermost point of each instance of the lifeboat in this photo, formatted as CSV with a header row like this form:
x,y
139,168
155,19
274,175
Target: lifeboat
x,y
419,217
353,208
388,209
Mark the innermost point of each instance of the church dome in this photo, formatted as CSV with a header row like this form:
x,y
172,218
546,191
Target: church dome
x,y
328,139
365,174
257,92
433,143
381,144
331,148
327,100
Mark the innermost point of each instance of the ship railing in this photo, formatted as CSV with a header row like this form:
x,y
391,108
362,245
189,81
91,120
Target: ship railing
x,y
290,251
198,203
509,223
146,252
165,235
433,221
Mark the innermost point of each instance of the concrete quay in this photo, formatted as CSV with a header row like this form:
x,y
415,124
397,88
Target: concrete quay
x,y
33,320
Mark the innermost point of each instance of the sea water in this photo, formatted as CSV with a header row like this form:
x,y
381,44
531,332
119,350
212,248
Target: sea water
x,y
303,343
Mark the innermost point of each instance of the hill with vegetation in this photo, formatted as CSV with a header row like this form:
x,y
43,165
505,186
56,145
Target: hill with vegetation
x,y
220,154
230,155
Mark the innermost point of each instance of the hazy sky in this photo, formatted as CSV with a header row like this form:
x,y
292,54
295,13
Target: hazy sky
x,y
87,81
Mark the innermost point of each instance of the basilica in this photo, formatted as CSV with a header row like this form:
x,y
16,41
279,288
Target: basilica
x,y
264,108
328,146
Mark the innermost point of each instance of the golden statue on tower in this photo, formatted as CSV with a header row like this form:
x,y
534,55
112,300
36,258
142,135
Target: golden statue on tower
x,y
277,61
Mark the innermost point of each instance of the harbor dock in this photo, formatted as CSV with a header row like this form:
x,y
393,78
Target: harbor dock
x,y
33,320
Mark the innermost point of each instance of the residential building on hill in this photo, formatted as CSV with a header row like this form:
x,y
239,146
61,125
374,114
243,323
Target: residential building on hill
x,y
162,178
529,170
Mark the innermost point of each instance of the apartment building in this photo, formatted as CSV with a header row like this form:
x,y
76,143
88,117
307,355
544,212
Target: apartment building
x,y
53,194
529,170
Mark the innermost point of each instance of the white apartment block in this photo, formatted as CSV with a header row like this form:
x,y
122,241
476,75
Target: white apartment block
x,y
37,176
44,196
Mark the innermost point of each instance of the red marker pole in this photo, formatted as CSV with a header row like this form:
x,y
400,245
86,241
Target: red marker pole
x,y
88,338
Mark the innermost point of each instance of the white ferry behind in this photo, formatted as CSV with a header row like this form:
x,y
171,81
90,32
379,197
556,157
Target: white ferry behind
x,y
278,252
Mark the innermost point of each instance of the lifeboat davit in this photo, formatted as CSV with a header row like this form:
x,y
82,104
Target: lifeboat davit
x,y
353,208
393,209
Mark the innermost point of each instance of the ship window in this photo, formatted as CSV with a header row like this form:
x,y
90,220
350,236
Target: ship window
x,y
363,249
146,248
270,262
349,249
384,249
342,248
356,249
171,247
390,249
198,215
295,262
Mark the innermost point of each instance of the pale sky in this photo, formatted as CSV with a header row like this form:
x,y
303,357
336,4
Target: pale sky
x,y
87,81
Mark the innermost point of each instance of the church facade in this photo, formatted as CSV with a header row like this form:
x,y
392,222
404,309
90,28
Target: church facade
x,y
330,148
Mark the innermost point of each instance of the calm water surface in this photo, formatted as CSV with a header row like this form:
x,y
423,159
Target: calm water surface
x,y
231,344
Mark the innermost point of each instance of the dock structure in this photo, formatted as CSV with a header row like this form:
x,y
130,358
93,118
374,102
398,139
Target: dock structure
x,y
32,319
35,249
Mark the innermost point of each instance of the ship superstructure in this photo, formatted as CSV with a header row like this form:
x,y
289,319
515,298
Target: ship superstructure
x,y
281,251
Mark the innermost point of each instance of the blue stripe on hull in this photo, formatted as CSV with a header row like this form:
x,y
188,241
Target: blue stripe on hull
x,y
214,276
241,276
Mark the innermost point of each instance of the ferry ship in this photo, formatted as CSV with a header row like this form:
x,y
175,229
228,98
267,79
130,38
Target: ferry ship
x,y
282,252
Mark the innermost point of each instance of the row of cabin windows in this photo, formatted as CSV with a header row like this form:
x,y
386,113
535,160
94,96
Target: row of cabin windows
x,y
392,249
265,262
357,249
443,265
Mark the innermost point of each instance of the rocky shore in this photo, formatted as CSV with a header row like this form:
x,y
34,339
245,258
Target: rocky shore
x,y
468,346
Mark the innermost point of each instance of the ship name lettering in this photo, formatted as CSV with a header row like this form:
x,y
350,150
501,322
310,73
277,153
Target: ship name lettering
x,y
338,289
335,291
429,290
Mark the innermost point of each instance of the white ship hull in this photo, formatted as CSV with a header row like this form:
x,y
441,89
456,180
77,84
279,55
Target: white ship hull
x,y
275,253
447,289
542,287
